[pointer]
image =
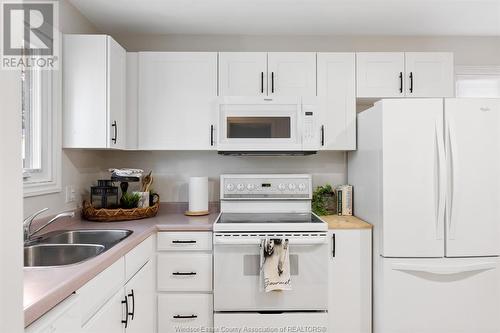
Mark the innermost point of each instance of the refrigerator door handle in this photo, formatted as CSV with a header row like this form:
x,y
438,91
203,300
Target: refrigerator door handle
x,y
441,181
452,177
443,269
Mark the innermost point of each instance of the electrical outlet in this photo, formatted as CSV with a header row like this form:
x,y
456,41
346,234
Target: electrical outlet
x,y
70,194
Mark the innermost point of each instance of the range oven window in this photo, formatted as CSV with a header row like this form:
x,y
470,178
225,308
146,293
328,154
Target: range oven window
x,y
258,127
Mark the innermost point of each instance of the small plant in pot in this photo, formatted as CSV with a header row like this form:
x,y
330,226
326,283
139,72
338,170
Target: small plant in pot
x,y
323,200
130,200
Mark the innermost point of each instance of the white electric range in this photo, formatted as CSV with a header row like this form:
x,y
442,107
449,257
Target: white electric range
x,y
256,207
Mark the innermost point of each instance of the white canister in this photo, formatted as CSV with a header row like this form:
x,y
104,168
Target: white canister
x,y
198,196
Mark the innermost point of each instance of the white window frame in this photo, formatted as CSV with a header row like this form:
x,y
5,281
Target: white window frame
x,y
475,71
48,179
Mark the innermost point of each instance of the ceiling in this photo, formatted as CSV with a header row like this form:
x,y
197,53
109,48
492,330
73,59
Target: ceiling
x,y
295,17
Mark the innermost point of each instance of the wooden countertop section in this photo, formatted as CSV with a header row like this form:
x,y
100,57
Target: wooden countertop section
x,y
345,222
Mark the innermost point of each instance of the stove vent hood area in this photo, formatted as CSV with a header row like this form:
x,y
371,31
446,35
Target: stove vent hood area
x,y
267,153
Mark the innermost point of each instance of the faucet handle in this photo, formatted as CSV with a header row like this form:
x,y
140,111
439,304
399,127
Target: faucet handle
x,y
32,216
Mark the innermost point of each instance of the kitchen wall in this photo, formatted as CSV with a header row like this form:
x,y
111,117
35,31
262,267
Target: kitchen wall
x,y
172,169
468,50
78,167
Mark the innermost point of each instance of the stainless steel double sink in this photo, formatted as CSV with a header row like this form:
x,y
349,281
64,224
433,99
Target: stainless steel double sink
x,y
70,247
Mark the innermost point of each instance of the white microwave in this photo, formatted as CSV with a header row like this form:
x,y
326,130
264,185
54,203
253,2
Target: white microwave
x,y
261,126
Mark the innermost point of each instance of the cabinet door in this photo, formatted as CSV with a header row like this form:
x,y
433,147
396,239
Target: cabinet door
x,y
85,123
141,298
63,318
291,73
177,92
242,73
350,271
473,154
109,318
117,67
380,74
429,74
337,95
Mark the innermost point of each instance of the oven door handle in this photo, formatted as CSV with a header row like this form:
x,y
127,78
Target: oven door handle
x,y
257,241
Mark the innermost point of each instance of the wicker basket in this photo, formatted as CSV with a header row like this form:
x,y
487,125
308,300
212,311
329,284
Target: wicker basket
x,y
115,215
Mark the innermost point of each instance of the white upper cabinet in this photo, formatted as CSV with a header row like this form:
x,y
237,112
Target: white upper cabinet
x,y
94,92
399,74
291,73
337,96
243,74
429,74
380,74
177,92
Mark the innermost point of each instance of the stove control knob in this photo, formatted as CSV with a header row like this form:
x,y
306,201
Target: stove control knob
x,y
250,187
281,187
230,187
302,186
240,187
291,187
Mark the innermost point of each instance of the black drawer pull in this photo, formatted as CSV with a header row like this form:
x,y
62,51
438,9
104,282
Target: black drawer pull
x,y
261,82
411,82
183,242
185,317
400,82
131,314
184,273
126,312
333,245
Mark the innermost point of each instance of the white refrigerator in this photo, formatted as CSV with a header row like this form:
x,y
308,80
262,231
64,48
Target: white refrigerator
x,y
426,174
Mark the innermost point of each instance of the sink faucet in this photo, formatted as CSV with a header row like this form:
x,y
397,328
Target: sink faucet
x,y
27,223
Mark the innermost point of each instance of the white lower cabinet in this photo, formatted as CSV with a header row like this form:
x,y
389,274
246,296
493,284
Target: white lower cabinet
x,y
64,318
110,318
186,311
184,282
350,284
140,292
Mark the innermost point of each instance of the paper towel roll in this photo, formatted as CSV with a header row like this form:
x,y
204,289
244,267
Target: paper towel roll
x,y
198,194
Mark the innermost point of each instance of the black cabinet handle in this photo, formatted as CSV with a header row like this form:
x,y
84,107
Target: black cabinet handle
x,y
126,312
116,132
411,82
184,273
400,82
261,82
183,242
322,135
185,317
333,245
211,135
272,82
131,314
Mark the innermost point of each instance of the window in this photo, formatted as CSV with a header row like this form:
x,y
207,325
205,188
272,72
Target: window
x,y
478,81
41,144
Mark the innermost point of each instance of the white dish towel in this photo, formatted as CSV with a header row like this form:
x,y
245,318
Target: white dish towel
x,y
275,265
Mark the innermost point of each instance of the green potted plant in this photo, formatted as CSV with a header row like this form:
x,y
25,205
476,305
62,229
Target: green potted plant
x,y
323,200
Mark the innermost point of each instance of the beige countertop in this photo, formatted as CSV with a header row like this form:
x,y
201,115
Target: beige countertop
x,y
44,288
345,222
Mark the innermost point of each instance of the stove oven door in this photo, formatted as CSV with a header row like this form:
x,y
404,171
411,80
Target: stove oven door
x,y
237,275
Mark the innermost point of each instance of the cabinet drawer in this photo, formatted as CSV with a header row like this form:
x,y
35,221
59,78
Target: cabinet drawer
x,y
185,241
185,272
137,257
184,311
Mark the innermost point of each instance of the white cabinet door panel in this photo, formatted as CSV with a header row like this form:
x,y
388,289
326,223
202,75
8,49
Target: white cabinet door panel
x,y
109,318
413,164
242,73
350,283
380,74
337,95
473,153
117,66
141,294
177,92
184,311
429,74
291,73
